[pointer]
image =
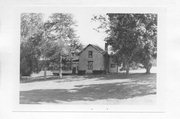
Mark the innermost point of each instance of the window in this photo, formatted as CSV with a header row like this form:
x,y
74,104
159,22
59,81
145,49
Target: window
x,y
112,65
90,65
90,54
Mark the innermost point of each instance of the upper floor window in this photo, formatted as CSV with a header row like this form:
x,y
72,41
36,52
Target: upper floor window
x,y
90,54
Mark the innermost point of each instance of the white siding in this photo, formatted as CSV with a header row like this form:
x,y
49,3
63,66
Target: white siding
x,y
98,60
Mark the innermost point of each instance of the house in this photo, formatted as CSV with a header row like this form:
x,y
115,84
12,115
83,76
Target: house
x,y
93,59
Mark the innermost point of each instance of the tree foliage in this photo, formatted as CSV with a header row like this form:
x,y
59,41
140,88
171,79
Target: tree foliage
x,y
58,32
133,37
31,23
31,37
59,39
45,42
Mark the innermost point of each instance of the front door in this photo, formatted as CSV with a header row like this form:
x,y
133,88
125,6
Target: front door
x,y
90,67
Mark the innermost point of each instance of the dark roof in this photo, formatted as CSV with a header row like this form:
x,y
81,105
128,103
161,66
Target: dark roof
x,y
95,47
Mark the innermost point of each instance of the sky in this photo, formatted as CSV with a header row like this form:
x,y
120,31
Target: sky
x,y
85,28
86,32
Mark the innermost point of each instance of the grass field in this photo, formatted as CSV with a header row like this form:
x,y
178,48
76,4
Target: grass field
x,y
137,88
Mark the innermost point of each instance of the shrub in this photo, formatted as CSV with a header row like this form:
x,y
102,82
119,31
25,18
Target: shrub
x,y
98,71
81,72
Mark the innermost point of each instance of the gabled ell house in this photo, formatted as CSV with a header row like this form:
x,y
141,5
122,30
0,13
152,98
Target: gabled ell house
x,y
93,59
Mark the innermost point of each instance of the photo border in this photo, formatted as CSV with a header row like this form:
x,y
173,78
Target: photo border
x,y
161,83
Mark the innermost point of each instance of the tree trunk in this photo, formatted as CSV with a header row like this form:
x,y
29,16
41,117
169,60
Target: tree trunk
x,y
127,68
60,67
44,73
106,63
148,68
45,69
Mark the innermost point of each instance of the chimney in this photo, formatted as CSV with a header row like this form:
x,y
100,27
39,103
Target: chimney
x,y
106,47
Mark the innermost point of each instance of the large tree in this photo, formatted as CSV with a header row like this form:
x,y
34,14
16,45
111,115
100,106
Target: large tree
x,y
133,37
59,36
44,42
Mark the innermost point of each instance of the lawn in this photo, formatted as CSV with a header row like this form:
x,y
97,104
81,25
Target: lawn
x,y
91,89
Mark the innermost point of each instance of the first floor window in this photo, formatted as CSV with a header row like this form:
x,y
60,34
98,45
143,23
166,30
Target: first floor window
x,y
90,65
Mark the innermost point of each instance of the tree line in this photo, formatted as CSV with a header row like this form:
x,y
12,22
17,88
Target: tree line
x,y
47,41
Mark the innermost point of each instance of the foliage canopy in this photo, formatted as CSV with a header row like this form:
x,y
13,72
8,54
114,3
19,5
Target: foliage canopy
x,y
133,37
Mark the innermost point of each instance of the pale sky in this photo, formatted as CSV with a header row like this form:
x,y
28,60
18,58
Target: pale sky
x,y
87,35
85,30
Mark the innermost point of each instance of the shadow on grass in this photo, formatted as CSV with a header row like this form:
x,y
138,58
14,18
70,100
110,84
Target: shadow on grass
x,y
38,79
140,85
121,76
41,78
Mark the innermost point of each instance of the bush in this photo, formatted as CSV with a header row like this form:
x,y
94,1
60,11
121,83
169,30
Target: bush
x,y
81,72
98,71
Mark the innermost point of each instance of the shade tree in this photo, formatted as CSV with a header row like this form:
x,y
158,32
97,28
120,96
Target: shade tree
x,y
133,37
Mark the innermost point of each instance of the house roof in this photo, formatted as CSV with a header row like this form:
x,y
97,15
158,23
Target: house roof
x,y
100,50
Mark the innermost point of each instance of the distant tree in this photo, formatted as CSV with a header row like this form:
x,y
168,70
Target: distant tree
x,y
133,37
